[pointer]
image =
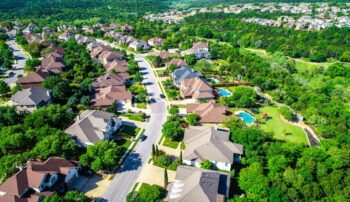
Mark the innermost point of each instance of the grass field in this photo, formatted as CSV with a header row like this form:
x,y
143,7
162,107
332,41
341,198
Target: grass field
x,y
141,105
279,127
169,143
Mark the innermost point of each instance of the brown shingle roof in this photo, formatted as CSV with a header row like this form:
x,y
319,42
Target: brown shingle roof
x,y
37,77
196,87
117,65
208,112
98,50
178,62
111,79
107,96
200,45
111,55
31,177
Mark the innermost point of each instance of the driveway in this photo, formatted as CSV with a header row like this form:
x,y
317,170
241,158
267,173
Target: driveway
x,y
18,67
127,175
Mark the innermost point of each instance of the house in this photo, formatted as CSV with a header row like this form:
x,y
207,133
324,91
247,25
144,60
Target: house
x,y
127,28
93,126
30,28
98,50
105,97
139,44
196,88
110,79
30,99
53,63
199,49
62,28
80,39
158,42
117,65
164,54
177,62
109,56
12,34
208,112
196,184
184,73
65,36
34,79
37,180
207,143
94,45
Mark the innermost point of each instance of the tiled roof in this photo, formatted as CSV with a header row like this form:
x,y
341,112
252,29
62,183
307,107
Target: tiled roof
x,y
208,112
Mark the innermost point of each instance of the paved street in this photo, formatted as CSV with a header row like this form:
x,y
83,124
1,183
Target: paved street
x,y
127,175
18,68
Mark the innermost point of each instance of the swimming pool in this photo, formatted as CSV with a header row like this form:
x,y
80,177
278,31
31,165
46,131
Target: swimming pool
x,y
246,117
224,93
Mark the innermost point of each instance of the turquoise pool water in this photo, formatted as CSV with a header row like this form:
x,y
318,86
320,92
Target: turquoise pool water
x,y
246,117
224,93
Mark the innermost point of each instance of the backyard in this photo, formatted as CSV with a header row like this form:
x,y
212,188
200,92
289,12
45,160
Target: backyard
x,y
279,127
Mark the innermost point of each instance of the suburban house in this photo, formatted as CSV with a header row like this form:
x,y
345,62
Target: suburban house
x,y
196,184
207,143
37,180
184,73
177,62
34,79
105,97
143,45
93,126
196,88
110,79
199,49
28,100
30,29
117,65
98,50
164,54
208,112
127,28
65,36
158,42
53,63
109,56
80,39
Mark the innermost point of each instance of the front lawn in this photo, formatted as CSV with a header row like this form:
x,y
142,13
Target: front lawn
x,y
279,127
135,117
170,143
130,130
141,105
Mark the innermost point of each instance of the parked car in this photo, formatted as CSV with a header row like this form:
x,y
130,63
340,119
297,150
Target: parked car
x,y
10,74
143,138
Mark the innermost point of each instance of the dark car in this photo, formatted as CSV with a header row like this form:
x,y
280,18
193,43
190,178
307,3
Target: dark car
x,y
162,96
143,138
11,74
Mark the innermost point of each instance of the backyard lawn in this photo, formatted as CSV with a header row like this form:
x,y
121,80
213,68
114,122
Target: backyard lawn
x,y
279,127
169,143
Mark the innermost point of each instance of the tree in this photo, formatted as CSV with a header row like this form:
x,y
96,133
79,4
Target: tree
x,y
180,159
166,180
138,48
190,59
207,165
172,67
31,64
345,57
62,90
113,108
163,161
173,93
141,97
8,116
318,57
173,110
172,129
287,113
101,156
133,69
4,88
192,119
53,115
68,197
253,181
151,192
153,151
137,77
51,81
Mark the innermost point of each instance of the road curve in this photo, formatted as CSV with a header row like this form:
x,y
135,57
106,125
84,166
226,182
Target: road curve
x,y
125,178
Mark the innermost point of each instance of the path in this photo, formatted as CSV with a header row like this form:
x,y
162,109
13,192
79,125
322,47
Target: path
x,y
126,176
18,67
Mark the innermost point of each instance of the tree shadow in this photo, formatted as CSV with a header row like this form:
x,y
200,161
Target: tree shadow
x,y
133,162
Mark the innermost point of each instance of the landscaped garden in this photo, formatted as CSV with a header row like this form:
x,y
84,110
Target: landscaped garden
x,y
125,136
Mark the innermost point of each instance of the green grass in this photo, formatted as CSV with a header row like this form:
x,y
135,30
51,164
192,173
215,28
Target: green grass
x,y
161,139
135,117
181,106
161,88
142,105
130,130
169,143
134,187
278,126
124,142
